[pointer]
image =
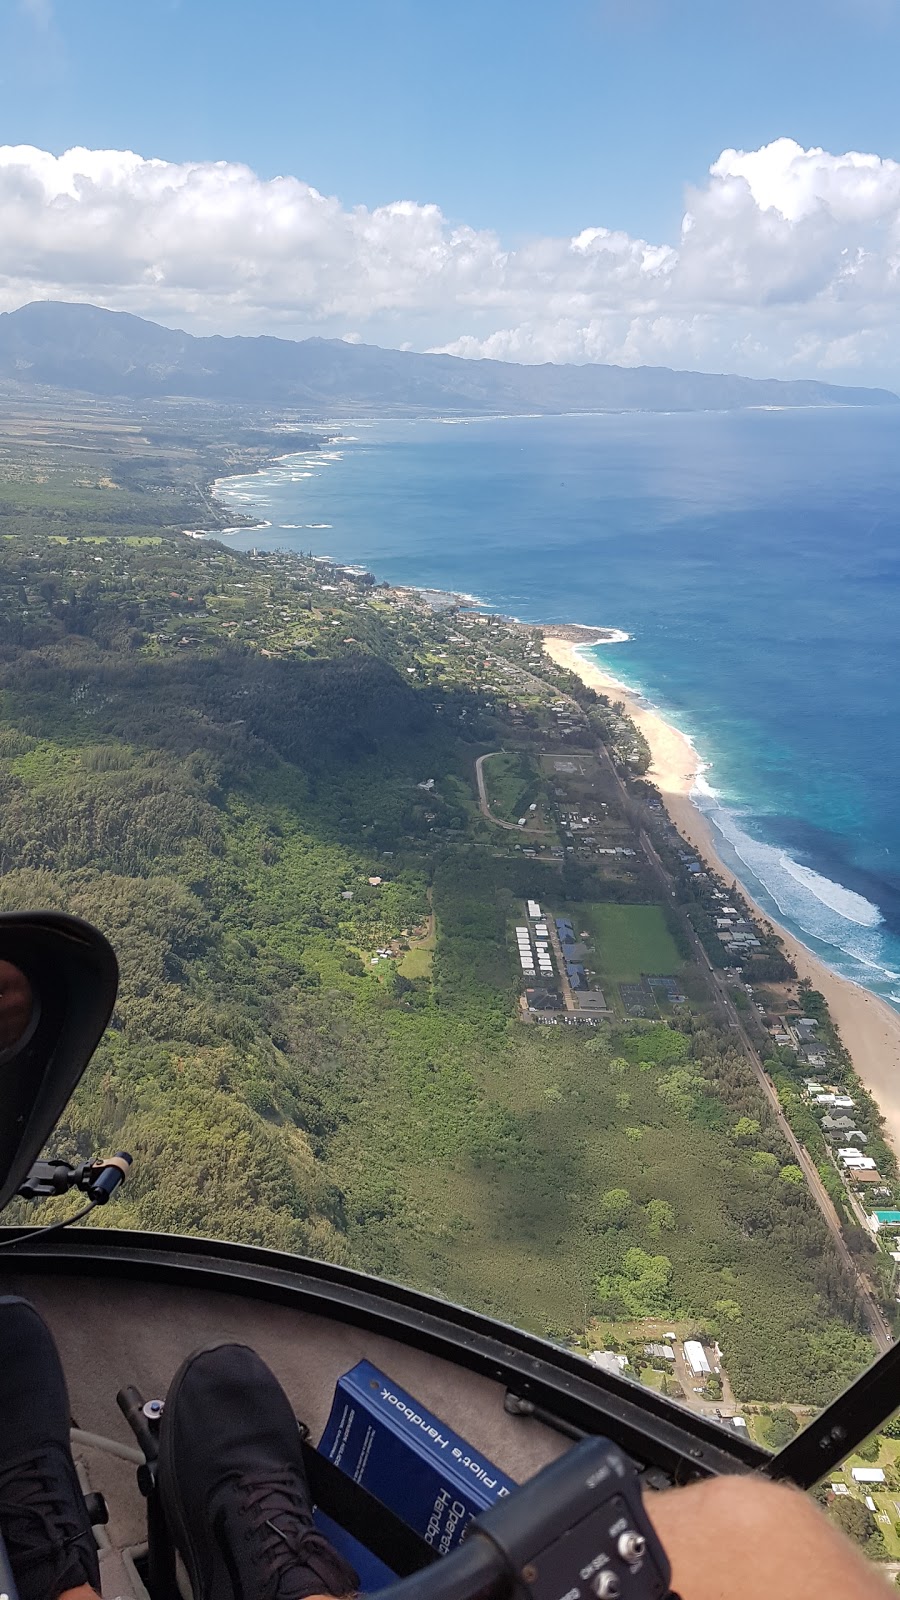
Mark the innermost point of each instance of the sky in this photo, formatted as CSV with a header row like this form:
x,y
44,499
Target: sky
x,y
675,182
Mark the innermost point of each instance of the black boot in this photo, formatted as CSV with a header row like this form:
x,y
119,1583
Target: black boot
x,y
233,1486
43,1517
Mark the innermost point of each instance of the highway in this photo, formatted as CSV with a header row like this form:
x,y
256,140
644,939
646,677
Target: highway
x,y
878,1327
877,1324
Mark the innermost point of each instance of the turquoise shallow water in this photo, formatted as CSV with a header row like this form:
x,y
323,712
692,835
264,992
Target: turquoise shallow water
x,y
753,558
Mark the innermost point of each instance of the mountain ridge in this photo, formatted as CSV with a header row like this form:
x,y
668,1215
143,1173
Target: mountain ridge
x,y
86,348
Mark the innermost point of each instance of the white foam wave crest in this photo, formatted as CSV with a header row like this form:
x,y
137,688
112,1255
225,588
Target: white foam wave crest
x,y
855,907
616,635
815,905
703,790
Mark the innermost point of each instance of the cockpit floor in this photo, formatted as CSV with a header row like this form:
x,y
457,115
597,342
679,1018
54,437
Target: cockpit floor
x,y
112,1334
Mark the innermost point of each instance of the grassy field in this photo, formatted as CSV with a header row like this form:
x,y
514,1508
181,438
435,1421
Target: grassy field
x,y
652,1379
887,1501
416,963
512,783
630,941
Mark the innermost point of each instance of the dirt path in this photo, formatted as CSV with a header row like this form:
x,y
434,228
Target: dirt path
x,y
484,808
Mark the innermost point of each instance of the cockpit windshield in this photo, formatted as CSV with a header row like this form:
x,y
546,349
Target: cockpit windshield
x,y
469,715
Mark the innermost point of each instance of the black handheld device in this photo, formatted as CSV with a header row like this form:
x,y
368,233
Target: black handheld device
x,y
576,1531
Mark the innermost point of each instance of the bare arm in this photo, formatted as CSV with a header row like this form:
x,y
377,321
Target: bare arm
x,y
744,1538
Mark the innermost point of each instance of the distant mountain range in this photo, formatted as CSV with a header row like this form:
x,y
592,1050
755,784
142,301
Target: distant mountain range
x,y
84,348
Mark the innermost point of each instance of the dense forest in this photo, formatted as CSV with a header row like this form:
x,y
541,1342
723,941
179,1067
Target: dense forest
x,y
251,783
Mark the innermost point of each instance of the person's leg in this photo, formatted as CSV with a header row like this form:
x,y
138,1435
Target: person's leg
x,y
43,1517
233,1485
745,1538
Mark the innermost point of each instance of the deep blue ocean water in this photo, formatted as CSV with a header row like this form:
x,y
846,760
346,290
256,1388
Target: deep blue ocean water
x,y
753,557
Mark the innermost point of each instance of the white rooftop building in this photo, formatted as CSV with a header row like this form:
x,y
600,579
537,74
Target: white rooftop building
x,y
608,1361
695,1356
867,1474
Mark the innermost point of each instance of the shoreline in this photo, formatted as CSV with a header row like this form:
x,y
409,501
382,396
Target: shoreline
x,y
869,1027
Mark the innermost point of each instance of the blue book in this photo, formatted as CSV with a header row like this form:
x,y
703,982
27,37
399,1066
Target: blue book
x,y
408,1458
373,1574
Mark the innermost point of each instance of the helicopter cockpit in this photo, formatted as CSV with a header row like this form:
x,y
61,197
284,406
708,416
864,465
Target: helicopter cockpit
x,y
125,1308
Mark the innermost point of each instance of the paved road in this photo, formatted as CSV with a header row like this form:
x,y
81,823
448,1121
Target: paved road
x,y
878,1326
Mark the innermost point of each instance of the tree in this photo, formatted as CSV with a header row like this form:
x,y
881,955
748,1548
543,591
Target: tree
x,y
643,1285
729,1309
781,1427
660,1217
857,1522
764,1161
745,1130
615,1205
793,1175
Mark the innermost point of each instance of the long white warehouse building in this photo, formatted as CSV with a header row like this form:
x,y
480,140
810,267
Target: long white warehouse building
x,y
695,1357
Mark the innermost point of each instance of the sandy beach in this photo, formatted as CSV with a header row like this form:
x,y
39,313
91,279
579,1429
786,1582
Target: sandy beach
x,y
869,1027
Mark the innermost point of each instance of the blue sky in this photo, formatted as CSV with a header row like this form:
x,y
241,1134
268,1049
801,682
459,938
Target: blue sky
x,y
522,116
556,156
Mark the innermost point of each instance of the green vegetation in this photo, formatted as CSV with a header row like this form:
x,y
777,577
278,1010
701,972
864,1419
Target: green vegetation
x,y
416,964
776,1428
214,757
631,941
512,783
877,1532
856,1520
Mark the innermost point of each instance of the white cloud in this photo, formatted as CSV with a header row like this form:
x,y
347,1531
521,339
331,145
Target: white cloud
x,y
788,261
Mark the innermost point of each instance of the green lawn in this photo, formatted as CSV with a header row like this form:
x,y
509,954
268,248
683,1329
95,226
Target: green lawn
x,y
416,964
653,1379
886,1500
512,782
630,941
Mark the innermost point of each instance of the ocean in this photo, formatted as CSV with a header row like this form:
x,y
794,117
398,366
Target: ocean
x,y
753,559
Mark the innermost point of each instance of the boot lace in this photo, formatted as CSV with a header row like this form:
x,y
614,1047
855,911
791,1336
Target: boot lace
x,y
287,1555
36,1514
